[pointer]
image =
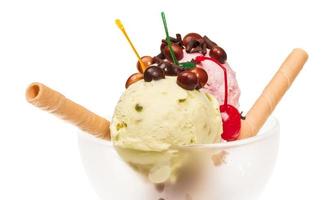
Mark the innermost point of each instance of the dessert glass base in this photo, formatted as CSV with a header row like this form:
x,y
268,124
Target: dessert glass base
x,y
235,170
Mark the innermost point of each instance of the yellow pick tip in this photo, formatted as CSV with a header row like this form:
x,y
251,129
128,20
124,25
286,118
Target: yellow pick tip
x,y
119,24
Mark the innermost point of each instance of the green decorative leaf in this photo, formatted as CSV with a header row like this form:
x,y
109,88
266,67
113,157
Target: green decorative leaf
x,y
187,65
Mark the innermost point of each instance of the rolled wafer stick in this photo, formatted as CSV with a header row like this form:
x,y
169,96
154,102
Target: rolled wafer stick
x,y
272,94
52,101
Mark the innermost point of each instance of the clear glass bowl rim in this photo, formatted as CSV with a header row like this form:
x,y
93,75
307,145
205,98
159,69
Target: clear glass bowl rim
x,y
264,134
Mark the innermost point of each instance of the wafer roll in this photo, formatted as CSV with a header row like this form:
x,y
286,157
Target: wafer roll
x,y
52,101
272,94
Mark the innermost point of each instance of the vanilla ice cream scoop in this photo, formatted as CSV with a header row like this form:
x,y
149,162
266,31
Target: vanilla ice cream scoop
x,y
153,116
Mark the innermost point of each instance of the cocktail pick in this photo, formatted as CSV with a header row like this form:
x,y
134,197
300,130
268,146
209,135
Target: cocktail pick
x,y
172,54
122,28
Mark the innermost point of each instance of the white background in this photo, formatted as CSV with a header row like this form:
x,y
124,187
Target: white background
x,y
74,47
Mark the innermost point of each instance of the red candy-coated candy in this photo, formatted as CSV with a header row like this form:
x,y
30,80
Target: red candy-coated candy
x,y
231,122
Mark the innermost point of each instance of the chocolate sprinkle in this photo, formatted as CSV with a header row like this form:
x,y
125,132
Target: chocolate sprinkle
x,y
173,40
197,49
210,43
179,37
192,45
204,48
159,59
177,40
197,46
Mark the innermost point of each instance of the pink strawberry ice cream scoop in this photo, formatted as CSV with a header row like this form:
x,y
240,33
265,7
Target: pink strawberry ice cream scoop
x,y
215,83
180,57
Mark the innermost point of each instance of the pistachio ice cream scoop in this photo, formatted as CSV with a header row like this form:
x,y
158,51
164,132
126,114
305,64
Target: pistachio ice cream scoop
x,y
153,116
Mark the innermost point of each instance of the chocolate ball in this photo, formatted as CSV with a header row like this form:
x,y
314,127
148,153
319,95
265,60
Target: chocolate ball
x,y
153,73
202,76
178,51
133,78
147,60
170,69
191,36
219,54
187,80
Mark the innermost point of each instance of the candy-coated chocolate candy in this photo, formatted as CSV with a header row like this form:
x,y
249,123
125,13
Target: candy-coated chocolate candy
x,y
147,60
187,80
170,68
153,73
219,54
202,76
191,36
133,78
178,51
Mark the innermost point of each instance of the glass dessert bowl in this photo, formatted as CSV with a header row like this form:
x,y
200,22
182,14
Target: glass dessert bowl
x,y
235,170
166,120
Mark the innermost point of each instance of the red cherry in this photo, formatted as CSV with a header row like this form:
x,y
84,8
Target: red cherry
x,y
231,122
